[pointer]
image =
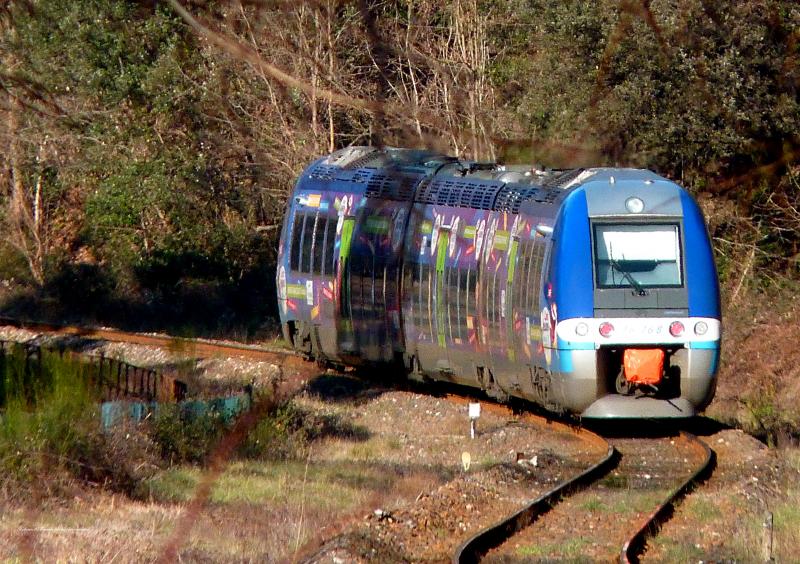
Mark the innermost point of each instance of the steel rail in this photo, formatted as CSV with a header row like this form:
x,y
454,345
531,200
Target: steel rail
x,y
635,545
479,544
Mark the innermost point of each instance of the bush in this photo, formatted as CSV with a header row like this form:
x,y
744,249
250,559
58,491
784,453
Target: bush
x,y
50,431
279,435
181,436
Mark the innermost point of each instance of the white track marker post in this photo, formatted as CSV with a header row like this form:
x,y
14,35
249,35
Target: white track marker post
x,y
474,413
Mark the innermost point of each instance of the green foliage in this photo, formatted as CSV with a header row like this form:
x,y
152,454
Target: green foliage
x,y
702,92
49,426
181,436
163,160
101,48
277,436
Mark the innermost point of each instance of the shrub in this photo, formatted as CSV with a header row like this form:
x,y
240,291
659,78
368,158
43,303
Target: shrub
x,y
182,436
49,427
278,435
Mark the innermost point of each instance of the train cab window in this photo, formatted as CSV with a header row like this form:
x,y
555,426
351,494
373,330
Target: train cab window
x,y
631,255
297,241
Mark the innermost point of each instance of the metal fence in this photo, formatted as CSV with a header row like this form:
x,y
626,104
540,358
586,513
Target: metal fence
x,y
114,379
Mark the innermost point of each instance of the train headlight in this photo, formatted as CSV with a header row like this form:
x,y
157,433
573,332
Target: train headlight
x,y
606,329
634,205
581,329
676,328
700,328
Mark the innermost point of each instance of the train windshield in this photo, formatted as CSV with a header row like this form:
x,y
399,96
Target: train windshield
x,y
637,256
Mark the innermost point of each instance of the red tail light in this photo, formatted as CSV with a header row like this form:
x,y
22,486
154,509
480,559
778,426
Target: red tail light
x,y
606,329
676,328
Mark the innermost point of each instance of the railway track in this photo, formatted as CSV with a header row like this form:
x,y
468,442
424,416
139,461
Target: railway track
x,y
615,511
544,516
635,545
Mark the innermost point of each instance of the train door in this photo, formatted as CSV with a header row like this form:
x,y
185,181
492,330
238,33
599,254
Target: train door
x,y
512,317
442,244
326,265
344,319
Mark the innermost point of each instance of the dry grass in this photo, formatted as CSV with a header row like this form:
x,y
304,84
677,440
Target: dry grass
x,y
258,510
759,378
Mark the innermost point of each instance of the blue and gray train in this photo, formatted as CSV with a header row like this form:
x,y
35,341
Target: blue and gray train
x,y
588,291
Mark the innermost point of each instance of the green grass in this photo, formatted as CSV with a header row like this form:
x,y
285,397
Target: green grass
x,y
674,551
289,483
787,527
571,549
594,505
615,481
703,510
49,416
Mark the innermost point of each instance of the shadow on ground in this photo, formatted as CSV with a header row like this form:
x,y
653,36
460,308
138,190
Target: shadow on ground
x,y
182,303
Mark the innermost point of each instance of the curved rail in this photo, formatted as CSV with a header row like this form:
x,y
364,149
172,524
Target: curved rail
x,y
476,546
634,547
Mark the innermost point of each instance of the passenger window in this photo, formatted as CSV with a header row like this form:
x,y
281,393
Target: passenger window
x,y
455,303
535,275
469,295
524,267
450,294
297,241
495,306
308,244
320,245
330,246
425,299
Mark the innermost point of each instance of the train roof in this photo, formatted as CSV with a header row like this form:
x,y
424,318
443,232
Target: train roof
x,y
433,178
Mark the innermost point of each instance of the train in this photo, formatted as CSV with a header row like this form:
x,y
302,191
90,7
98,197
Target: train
x,y
587,291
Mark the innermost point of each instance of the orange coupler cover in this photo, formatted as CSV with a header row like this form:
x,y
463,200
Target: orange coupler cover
x,y
643,366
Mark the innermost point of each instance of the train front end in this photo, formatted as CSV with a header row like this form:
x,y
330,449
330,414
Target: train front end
x,y
634,300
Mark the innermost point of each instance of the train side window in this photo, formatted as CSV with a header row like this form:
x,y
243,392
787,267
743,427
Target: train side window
x,y
469,295
486,284
330,246
455,304
379,290
517,286
463,331
356,286
406,287
530,278
308,244
424,296
495,306
428,289
536,273
530,285
297,241
391,283
319,244
450,292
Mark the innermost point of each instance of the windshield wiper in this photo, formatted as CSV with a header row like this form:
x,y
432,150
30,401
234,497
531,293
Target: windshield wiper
x,y
627,275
